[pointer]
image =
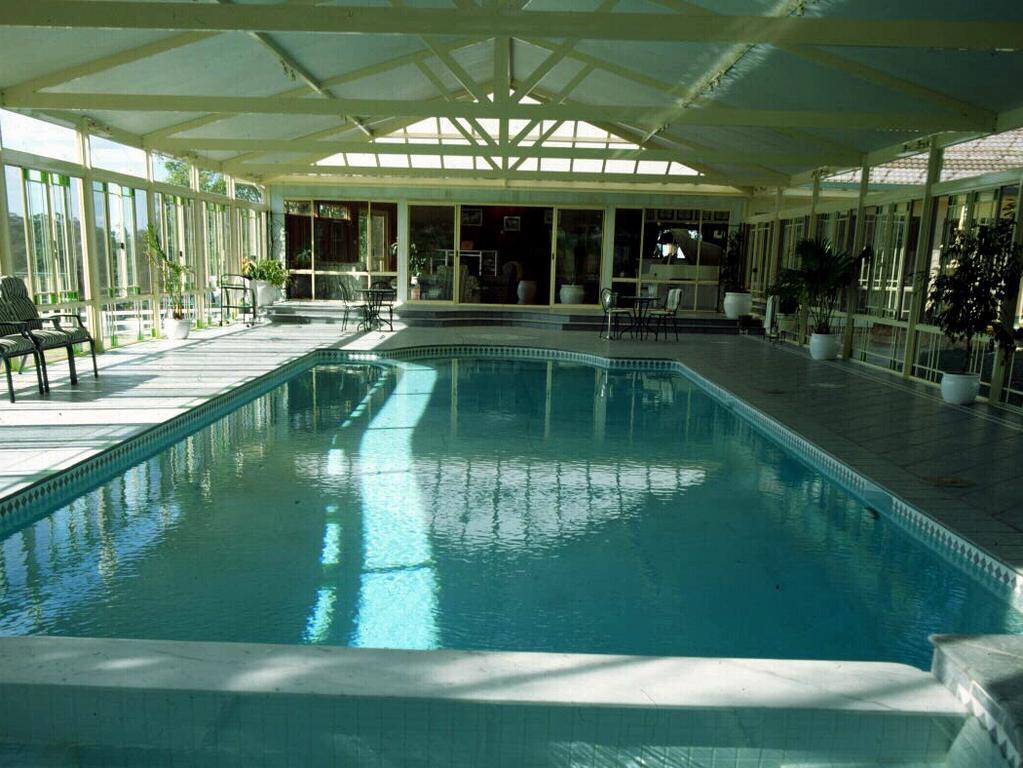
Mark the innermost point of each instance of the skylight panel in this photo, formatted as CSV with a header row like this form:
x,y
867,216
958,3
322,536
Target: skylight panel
x,y
393,161
555,164
653,167
529,164
458,162
588,130
362,159
390,140
587,166
426,125
425,161
620,166
338,159
677,169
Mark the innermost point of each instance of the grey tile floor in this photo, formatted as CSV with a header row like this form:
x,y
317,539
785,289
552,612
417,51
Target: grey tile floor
x,y
959,464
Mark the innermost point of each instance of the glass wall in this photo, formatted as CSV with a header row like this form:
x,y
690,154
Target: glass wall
x,y
52,236
335,243
577,256
431,239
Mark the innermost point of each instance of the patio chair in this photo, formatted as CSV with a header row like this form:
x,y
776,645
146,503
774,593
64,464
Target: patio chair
x,y
348,304
15,342
609,302
660,318
16,306
386,301
236,292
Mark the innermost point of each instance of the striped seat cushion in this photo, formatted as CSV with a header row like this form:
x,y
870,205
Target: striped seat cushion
x,y
77,335
49,338
11,346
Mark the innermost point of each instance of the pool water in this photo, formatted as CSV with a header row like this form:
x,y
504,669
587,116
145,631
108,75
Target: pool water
x,y
489,504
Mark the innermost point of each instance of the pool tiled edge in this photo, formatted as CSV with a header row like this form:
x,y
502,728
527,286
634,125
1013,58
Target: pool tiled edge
x,y
18,508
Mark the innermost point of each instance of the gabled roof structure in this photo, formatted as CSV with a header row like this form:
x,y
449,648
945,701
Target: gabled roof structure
x,y
738,94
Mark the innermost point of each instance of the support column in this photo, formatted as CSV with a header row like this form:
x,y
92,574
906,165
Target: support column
x,y
815,195
773,257
90,248
152,214
6,255
199,243
607,249
857,247
924,243
403,250
1002,363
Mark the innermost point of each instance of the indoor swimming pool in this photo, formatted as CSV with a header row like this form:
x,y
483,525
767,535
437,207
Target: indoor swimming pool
x,y
496,504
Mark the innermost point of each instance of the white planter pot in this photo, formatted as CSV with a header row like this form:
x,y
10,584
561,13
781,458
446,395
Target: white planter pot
x,y
176,329
266,294
526,291
737,304
825,346
960,388
571,293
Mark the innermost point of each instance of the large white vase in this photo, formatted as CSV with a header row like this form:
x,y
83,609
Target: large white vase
x,y
960,388
526,291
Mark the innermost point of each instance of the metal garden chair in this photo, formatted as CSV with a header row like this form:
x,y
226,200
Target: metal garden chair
x,y
17,307
609,302
660,318
16,343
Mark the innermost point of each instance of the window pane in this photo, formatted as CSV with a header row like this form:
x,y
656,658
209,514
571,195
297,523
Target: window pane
x,y
16,219
170,170
431,240
117,157
577,279
39,137
251,192
212,181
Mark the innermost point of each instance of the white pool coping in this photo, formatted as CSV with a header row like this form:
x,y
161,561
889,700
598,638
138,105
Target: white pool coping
x,y
494,677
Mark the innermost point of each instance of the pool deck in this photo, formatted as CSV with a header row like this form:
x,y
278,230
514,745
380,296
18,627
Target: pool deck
x,y
961,465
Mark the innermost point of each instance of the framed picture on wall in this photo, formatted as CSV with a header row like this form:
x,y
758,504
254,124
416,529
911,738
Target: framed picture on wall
x,y
472,217
512,223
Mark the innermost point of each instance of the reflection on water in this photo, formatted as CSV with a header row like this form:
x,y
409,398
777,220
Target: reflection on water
x,y
487,504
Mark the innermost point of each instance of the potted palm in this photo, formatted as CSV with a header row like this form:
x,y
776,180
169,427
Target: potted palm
x,y
789,290
822,274
170,278
737,302
269,276
965,300
417,265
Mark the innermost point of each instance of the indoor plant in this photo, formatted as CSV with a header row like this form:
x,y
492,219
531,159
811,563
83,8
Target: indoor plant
x,y
269,276
170,278
417,264
736,301
789,290
966,298
822,274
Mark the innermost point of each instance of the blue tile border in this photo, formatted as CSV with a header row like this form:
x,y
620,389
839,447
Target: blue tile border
x,y
21,507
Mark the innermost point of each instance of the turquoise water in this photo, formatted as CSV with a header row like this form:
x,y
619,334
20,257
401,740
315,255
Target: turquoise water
x,y
488,504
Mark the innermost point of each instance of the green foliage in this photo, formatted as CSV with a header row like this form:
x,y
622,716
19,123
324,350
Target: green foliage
x,y
984,269
820,278
170,274
789,289
177,172
270,270
417,262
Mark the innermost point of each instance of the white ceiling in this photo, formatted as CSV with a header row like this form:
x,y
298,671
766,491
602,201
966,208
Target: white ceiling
x,y
741,110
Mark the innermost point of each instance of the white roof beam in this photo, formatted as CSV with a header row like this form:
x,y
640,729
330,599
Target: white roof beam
x,y
272,170
324,148
721,116
898,33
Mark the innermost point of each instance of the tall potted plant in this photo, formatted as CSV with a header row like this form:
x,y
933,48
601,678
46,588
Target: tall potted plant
x,y
269,276
170,279
965,300
823,274
736,301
